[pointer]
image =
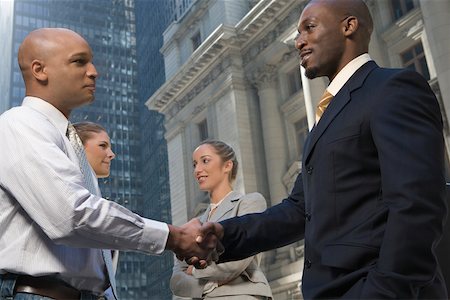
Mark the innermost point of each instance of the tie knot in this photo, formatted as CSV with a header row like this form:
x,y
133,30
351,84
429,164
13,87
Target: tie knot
x,y
70,130
73,137
323,104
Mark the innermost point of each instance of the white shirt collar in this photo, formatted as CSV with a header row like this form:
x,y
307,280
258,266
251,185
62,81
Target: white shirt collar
x,y
344,75
48,110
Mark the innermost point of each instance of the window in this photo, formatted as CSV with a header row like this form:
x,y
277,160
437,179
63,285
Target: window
x,y
196,40
294,83
301,131
203,130
414,59
401,8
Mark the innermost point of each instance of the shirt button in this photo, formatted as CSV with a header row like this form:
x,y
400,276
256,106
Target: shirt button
x,y
308,217
309,170
307,264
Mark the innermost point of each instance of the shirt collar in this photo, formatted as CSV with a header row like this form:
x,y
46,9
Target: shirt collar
x,y
344,75
48,110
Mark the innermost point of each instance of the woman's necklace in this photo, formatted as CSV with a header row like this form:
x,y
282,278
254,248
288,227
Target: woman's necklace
x,y
213,206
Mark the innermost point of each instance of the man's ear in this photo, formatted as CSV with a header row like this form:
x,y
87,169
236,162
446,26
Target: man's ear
x,y
351,25
38,70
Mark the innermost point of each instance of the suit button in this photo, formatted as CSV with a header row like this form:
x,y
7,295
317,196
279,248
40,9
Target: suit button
x,y
309,170
308,217
307,264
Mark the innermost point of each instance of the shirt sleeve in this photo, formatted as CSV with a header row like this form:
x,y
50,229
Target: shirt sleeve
x,y
47,186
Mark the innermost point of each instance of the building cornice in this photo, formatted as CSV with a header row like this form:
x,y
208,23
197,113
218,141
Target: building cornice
x,y
189,18
200,60
185,84
275,15
410,25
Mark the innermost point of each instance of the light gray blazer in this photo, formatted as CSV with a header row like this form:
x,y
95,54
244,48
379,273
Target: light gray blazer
x,y
245,276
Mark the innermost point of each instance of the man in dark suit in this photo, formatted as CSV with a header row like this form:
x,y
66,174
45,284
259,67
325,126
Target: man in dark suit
x,y
370,202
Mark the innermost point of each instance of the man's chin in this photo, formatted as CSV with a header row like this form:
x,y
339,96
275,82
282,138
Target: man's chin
x,y
311,73
89,100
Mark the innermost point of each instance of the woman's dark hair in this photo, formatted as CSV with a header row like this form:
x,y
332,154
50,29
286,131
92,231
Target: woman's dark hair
x,y
85,129
226,153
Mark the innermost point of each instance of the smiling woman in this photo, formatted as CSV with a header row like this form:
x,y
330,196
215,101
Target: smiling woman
x,y
97,145
215,169
99,154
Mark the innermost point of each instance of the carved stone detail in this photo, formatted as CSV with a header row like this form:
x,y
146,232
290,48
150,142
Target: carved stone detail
x,y
265,77
178,105
271,36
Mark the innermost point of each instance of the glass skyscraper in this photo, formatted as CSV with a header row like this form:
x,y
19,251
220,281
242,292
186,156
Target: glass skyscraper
x,y
139,178
6,34
152,18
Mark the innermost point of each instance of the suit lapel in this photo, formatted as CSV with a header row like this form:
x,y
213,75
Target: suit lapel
x,y
204,217
227,204
336,106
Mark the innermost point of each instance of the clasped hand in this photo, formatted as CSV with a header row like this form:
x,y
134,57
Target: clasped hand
x,y
196,243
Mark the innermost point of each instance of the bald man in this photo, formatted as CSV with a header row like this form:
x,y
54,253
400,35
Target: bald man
x,y
369,203
53,221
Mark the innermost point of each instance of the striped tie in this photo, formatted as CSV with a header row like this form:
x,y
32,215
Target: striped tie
x,y
323,104
88,178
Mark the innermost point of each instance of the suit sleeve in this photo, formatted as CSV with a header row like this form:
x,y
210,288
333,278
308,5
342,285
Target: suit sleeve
x,y
183,284
277,226
230,270
407,131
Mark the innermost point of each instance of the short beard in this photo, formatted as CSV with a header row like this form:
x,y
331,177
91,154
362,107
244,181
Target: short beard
x,y
311,73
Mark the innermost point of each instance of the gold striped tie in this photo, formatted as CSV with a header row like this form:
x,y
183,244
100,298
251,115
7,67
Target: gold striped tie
x,y
323,104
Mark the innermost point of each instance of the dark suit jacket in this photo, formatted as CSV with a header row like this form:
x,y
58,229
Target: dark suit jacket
x,y
443,249
370,200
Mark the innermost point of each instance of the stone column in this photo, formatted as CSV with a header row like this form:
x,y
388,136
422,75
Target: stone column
x,y
436,18
274,135
177,180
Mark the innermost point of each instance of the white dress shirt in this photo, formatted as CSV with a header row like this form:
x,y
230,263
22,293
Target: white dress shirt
x,y
344,75
49,222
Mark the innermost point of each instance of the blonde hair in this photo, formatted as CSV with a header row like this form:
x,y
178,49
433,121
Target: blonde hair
x,y
85,129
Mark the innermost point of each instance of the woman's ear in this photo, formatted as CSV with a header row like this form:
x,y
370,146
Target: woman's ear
x,y
228,165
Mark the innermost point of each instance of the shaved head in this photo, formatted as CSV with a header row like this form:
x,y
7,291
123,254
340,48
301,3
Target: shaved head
x,y
356,8
57,66
41,44
331,34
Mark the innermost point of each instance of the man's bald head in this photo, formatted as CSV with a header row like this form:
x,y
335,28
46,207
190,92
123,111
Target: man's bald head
x,y
57,66
356,8
41,44
331,34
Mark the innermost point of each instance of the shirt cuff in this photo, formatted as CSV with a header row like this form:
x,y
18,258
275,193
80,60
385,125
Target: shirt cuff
x,y
154,237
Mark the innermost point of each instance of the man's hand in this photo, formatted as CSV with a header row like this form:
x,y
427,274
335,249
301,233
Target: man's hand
x,y
188,241
209,236
189,270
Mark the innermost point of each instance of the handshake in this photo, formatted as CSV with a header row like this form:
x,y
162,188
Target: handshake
x,y
196,243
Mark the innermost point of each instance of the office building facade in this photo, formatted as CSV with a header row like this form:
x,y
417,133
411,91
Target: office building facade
x,y
109,27
233,74
6,32
152,17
